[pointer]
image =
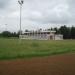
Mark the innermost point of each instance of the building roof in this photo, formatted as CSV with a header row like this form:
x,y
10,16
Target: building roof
x,y
40,32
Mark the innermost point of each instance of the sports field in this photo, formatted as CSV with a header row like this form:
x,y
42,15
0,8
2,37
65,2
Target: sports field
x,y
63,64
15,48
36,57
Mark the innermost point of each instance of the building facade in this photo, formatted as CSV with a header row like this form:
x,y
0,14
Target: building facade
x,y
41,35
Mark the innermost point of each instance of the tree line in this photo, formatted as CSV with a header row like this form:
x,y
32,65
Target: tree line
x,y
8,34
67,32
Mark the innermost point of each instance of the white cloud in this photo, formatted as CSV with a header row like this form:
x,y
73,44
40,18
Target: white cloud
x,y
37,13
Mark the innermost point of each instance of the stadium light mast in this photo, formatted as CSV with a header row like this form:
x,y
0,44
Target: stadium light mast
x,y
5,27
21,3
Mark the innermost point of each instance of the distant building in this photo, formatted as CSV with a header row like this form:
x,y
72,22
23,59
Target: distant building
x,y
41,35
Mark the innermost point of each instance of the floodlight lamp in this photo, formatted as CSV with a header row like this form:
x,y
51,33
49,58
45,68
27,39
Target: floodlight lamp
x,y
20,2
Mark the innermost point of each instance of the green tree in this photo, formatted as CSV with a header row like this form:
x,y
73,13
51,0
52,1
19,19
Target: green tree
x,y
6,34
65,31
73,32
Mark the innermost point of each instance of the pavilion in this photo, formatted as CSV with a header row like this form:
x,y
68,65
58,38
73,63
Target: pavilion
x,y
41,35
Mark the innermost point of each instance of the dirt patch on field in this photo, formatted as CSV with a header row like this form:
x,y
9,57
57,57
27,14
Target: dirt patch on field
x,y
53,65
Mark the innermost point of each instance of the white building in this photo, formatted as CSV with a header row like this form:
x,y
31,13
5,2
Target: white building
x,y
41,35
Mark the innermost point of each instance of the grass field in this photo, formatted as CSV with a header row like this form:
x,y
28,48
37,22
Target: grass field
x,y
14,48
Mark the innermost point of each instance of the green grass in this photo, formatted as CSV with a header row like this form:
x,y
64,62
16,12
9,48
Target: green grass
x,y
15,48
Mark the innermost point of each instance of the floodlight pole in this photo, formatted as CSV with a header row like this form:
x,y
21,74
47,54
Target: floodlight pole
x,y
20,18
20,2
5,27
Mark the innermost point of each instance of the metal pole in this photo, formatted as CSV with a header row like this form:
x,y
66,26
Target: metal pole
x,y
20,18
5,27
20,2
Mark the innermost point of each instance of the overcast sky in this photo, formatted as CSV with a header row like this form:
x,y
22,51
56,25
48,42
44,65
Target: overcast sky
x,y
36,14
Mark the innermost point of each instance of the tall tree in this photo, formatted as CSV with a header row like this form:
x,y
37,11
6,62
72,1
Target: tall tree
x,y
73,32
65,31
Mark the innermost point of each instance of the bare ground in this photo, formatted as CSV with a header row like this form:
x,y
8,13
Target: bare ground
x,y
52,65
